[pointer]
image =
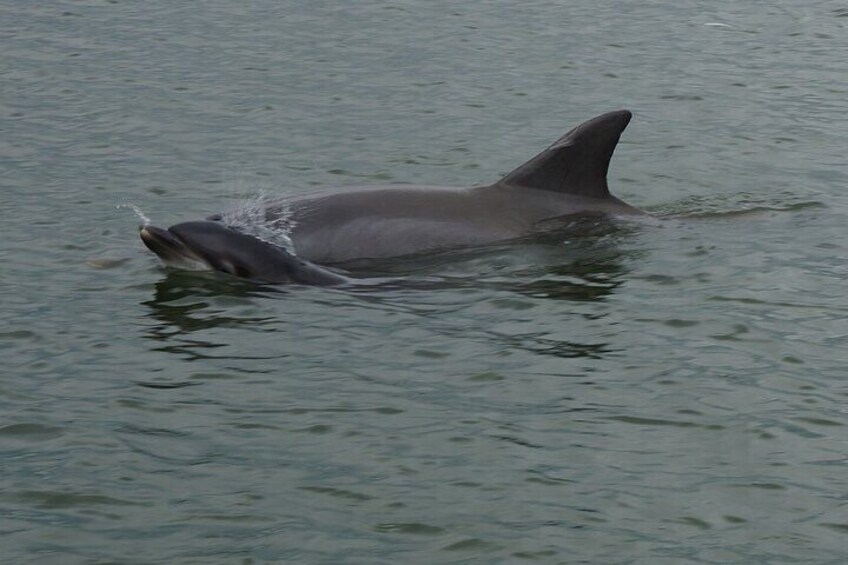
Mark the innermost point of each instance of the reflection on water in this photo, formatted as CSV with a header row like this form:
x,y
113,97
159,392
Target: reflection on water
x,y
181,294
541,343
188,304
583,279
589,260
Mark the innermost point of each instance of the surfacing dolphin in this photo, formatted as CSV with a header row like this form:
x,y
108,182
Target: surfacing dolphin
x,y
567,178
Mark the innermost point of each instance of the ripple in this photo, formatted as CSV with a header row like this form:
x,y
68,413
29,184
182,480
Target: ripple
x,y
640,421
167,385
699,207
60,500
469,544
339,493
413,528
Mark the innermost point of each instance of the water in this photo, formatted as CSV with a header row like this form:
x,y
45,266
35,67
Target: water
x,y
669,390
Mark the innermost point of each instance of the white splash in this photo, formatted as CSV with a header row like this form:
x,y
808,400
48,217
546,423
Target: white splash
x,y
257,216
145,221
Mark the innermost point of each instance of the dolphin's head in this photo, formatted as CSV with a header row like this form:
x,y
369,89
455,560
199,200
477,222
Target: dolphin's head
x,y
210,245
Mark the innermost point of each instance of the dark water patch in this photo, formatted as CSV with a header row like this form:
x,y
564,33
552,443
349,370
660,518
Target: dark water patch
x,y
168,446
543,555
558,348
57,500
799,431
677,323
318,429
683,97
650,422
695,522
427,354
345,494
470,544
382,410
513,304
412,528
568,287
733,335
661,279
150,431
548,481
820,422
214,376
138,404
253,426
30,432
760,486
167,385
107,263
486,377
517,441
234,518
774,303
18,334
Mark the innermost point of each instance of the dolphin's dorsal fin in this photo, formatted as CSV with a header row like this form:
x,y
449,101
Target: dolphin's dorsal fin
x,y
577,163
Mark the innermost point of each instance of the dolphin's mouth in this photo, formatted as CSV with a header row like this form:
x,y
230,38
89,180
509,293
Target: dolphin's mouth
x,y
171,249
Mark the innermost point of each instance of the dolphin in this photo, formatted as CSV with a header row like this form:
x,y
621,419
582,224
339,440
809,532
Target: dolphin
x,y
371,223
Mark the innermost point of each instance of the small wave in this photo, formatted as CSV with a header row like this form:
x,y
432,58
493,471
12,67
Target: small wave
x,y
700,207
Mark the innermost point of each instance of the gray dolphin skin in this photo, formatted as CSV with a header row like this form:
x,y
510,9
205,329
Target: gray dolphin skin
x,y
567,178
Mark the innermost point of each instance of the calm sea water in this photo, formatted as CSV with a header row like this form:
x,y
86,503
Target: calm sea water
x,y
670,390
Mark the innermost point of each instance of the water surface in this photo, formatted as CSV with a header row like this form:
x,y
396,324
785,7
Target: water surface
x,y
666,390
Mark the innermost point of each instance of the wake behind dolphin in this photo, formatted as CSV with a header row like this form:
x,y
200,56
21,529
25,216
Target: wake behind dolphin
x,y
320,233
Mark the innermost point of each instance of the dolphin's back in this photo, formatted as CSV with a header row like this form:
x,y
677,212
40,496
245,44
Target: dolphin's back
x,y
569,177
391,221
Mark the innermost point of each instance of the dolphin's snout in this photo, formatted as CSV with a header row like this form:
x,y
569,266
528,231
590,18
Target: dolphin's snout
x,y
162,242
146,233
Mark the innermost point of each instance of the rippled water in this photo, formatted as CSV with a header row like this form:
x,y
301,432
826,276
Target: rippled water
x,y
666,390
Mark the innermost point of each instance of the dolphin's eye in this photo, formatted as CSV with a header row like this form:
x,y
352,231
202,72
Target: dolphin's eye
x,y
229,268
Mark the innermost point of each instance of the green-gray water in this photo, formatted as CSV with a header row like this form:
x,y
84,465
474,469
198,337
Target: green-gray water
x,y
670,390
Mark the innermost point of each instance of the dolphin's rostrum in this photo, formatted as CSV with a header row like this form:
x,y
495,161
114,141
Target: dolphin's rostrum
x,y
567,178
